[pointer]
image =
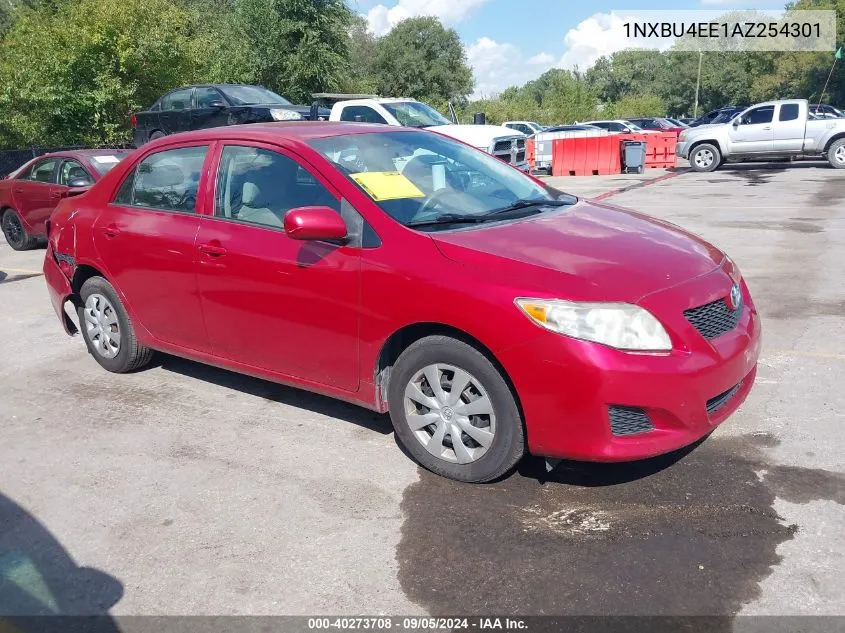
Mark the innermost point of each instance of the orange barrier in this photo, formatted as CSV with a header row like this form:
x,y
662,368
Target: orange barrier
x,y
660,148
586,156
530,154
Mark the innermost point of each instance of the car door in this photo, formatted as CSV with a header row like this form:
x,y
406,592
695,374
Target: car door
x,y
789,128
146,240
752,133
271,302
175,115
33,195
210,109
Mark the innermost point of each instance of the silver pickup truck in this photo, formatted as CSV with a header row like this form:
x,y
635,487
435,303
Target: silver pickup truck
x,y
766,131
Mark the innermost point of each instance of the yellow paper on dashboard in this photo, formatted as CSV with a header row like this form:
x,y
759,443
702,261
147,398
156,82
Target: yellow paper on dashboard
x,y
387,185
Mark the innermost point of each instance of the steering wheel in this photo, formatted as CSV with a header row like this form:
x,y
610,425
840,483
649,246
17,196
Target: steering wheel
x,y
432,202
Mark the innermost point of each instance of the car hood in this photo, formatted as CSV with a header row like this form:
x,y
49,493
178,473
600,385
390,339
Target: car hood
x,y
587,252
476,135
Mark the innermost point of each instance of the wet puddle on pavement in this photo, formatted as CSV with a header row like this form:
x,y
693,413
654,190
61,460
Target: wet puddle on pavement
x,y
689,533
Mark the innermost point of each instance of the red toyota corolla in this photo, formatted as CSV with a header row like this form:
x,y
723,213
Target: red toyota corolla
x,y
29,194
407,272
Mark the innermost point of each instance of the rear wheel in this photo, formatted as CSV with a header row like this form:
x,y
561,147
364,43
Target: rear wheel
x,y
157,135
454,412
705,157
836,154
15,233
107,330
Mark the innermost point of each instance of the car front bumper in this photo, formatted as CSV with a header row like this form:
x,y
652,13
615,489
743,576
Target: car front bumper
x,y
566,388
682,149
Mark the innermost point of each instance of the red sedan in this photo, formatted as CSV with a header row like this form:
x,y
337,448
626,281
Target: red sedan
x,y
29,194
404,271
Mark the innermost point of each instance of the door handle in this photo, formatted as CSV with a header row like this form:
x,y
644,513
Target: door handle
x,y
768,127
213,250
111,230
56,194
18,189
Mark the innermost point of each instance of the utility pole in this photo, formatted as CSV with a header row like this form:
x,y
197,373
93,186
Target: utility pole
x,y
697,85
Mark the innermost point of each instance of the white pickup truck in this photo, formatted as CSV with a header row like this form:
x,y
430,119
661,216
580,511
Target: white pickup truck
x,y
765,131
503,143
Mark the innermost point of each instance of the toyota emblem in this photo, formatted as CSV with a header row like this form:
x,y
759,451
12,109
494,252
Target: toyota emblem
x,y
735,298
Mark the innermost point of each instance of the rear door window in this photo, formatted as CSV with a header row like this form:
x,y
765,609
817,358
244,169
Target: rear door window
x,y
177,100
788,112
43,171
167,181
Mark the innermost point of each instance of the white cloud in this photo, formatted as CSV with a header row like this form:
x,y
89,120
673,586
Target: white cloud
x,y
600,34
541,59
497,66
381,18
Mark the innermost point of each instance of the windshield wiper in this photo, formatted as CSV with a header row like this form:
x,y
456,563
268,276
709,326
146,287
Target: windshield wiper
x,y
526,203
449,218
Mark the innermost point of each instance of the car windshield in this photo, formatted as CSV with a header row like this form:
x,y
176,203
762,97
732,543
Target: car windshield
x,y
432,182
633,126
103,163
250,95
415,114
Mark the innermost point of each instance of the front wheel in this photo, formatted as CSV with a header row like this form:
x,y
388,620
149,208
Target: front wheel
x,y
454,412
705,157
836,154
107,330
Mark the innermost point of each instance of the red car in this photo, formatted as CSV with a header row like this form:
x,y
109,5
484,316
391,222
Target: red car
x,y
29,194
658,124
404,271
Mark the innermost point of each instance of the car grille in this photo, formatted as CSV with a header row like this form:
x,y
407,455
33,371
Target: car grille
x,y
628,420
717,402
714,319
510,150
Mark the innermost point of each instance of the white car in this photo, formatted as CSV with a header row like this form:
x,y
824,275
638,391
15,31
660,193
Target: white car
x,y
619,126
503,143
529,128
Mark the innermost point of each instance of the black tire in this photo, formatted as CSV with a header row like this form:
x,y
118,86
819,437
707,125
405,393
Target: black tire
x,y
15,232
157,135
836,146
715,158
131,354
508,443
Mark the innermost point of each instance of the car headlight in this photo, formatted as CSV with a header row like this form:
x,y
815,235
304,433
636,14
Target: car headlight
x,y
280,114
620,325
682,135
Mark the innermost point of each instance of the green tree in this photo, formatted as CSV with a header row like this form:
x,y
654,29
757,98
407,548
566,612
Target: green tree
x,y
363,47
96,63
420,58
294,47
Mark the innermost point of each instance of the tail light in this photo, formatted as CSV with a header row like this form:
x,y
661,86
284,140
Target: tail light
x,y
133,120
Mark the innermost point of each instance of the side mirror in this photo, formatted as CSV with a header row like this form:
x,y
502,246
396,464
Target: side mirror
x,y
216,104
358,118
736,122
79,182
314,223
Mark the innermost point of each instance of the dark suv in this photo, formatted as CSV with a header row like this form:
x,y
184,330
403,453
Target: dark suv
x,y
722,115
207,105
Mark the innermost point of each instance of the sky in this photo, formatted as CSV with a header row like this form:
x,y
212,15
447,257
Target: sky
x,y
509,42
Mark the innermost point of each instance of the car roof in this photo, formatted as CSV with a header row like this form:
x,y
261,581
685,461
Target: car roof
x,y
301,131
83,154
